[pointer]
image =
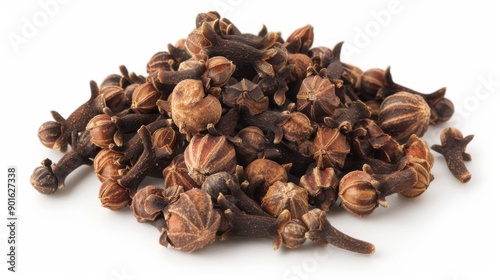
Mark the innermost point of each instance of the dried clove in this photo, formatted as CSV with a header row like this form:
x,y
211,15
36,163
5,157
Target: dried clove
x,y
49,177
153,153
330,147
404,114
206,39
225,184
281,196
208,155
362,192
345,121
58,134
106,130
321,231
453,145
318,229
192,222
316,97
321,186
192,110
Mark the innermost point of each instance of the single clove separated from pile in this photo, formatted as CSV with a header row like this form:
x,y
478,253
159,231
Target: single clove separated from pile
x,y
253,135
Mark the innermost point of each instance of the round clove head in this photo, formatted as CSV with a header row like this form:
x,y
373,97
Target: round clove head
x,y
294,233
43,178
113,196
50,134
192,222
404,114
357,193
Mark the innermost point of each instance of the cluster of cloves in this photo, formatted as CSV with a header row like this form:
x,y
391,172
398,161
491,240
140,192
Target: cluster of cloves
x,y
252,135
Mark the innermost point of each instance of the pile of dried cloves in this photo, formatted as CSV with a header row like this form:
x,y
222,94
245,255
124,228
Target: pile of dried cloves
x,y
253,135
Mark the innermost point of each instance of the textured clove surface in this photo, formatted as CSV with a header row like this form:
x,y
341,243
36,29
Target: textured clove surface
x,y
254,135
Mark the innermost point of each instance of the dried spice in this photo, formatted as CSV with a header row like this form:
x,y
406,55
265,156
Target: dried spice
x,y
452,147
251,135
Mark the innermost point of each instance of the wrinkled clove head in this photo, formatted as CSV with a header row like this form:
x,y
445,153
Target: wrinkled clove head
x,y
424,178
113,196
177,174
102,130
305,35
404,114
293,234
297,128
357,193
43,178
322,187
139,207
281,196
253,144
444,110
330,147
316,97
50,134
208,155
192,110
106,164
219,70
216,184
371,81
114,98
192,222
161,60
261,174
144,98
418,148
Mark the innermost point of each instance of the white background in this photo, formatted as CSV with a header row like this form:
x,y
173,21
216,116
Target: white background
x,y
449,233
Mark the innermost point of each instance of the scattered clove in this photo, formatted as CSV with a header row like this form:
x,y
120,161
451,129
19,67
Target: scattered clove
x,y
452,147
49,177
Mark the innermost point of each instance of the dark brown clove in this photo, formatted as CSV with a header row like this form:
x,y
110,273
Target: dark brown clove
x,y
206,39
60,133
207,155
254,145
50,177
345,121
285,196
166,80
403,114
106,130
248,96
322,187
192,109
321,231
453,145
192,222
133,148
161,60
330,147
106,164
261,174
305,37
150,156
362,191
177,174
225,184
316,97
433,100
318,229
